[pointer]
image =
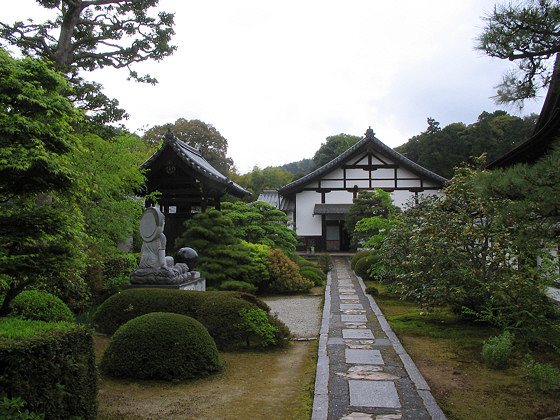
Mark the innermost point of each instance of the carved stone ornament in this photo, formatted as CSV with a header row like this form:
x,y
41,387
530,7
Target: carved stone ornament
x,y
155,267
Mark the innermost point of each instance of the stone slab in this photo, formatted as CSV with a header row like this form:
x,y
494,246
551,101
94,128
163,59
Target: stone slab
x,y
364,357
346,306
345,296
381,394
353,318
358,333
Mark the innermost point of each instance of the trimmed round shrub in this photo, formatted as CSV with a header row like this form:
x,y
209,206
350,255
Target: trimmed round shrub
x,y
219,312
313,276
325,263
372,290
239,286
284,274
358,256
161,345
496,350
364,264
40,306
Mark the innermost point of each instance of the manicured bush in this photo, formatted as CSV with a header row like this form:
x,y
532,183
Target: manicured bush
x,y
372,290
256,324
311,275
325,263
239,286
358,256
364,264
496,350
219,312
284,275
161,345
50,366
40,306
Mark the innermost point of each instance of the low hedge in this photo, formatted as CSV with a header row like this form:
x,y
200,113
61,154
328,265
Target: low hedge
x,y
358,256
52,368
316,278
219,312
161,345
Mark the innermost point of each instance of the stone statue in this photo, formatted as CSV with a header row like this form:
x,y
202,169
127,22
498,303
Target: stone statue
x,y
155,267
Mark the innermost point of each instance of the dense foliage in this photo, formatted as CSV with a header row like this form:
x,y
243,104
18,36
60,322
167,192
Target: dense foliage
x,y
484,256
367,204
161,345
261,223
525,32
39,232
219,312
442,149
259,180
53,369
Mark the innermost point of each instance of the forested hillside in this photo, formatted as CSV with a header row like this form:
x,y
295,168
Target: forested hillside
x,y
442,149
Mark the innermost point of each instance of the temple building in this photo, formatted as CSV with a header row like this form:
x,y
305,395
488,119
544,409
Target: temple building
x,y
187,184
317,202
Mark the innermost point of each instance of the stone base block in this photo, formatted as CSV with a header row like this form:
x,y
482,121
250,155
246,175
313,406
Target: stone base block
x,y
198,283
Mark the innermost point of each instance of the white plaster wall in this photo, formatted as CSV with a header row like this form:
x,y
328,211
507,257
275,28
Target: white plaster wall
x,y
383,173
401,197
306,223
339,197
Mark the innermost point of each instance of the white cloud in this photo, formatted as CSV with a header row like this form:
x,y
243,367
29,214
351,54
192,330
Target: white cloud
x,y
276,78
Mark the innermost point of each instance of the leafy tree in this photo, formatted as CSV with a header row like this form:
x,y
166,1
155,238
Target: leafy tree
x,y
527,33
39,233
222,256
369,204
442,149
475,252
372,231
259,180
109,179
197,134
334,146
261,223
93,34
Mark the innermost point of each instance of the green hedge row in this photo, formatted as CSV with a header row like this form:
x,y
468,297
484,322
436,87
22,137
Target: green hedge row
x,y
219,312
53,369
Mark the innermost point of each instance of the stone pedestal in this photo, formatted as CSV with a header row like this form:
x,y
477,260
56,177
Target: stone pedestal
x,y
195,283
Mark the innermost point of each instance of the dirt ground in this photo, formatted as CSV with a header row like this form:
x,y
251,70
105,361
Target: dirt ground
x,y
251,385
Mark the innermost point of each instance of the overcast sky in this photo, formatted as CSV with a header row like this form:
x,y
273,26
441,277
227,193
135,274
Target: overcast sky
x,y
277,78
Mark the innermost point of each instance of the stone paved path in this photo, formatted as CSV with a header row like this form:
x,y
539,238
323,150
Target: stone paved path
x,y
363,371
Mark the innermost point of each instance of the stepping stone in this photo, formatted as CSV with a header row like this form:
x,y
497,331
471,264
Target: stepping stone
x,y
358,416
349,300
355,325
353,318
358,333
382,394
348,296
354,311
368,373
345,306
364,357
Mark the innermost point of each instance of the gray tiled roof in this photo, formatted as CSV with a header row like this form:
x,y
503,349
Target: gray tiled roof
x,y
369,139
193,158
273,198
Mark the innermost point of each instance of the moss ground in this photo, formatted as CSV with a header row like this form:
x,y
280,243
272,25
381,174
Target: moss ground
x,y
252,385
448,353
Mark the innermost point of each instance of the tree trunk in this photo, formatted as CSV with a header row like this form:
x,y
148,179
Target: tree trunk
x,y
71,17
